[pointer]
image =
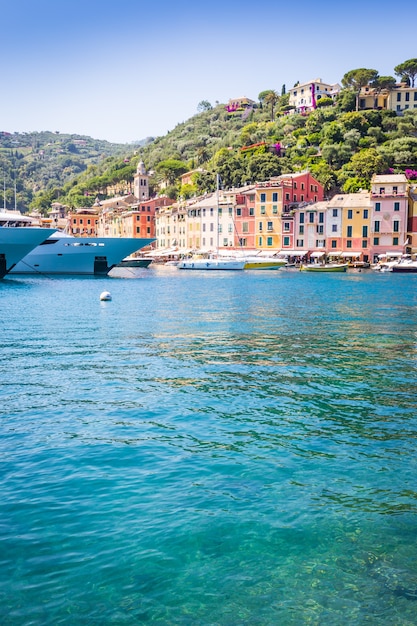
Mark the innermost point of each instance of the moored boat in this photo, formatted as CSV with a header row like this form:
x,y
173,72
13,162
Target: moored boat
x,y
18,237
263,263
132,261
325,267
211,263
67,255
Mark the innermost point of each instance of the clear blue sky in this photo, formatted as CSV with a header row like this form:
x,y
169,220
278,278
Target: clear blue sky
x,y
126,70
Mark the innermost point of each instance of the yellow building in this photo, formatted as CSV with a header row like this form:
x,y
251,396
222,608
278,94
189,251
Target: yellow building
x,y
268,212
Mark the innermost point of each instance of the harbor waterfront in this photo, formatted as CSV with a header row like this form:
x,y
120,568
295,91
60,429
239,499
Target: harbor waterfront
x,y
211,448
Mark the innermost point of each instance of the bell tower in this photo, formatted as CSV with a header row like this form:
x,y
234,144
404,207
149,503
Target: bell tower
x,y
141,182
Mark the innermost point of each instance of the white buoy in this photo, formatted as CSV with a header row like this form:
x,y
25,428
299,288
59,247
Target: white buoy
x,y
105,295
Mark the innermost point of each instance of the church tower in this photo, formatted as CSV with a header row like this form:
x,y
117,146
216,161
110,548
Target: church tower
x,y
141,182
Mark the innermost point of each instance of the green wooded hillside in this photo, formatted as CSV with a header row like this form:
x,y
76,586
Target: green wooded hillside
x,y
343,148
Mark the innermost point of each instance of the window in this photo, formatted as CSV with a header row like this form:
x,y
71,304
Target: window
x,y
334,228
365,214
302,184
251,211
138,230
364,243
300,243
225,241
334,243
376,226
395,190
396,226
398,97
377,206
204,228
301,218
321,218
286,241
350,214
302,198
334,212
349,231
204,212
269,241
349,244
274,209
396,206
376,241
230,210
286,226
364,231
263,210
275,197
407,96
269,226
220,212
238,212
230,228
382,190
395,241
320,229
287,196
245,227
311,218
260,226
260,242
295,197
415,95
301,230
263,197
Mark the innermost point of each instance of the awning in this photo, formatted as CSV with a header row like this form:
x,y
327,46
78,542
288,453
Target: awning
x,y
350,255
292,252
317,254
160,252
334,253
392,254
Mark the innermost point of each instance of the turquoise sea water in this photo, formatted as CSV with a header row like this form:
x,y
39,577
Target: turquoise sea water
x,y
209,449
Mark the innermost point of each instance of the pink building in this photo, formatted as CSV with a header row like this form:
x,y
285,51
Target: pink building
x,y
389,214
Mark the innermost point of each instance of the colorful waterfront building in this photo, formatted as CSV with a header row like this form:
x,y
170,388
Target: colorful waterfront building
x,y
348,226
411,247
244,218
389,214
83,222
277,202
171,227
268,210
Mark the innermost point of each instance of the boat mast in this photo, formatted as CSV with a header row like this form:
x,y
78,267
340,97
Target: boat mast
x,y
217,202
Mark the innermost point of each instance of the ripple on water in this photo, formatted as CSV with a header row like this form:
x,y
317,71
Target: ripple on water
x,y
209,450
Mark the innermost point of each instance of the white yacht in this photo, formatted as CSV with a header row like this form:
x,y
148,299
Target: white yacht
x,y
211,263
17,238
64,254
